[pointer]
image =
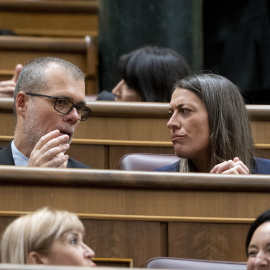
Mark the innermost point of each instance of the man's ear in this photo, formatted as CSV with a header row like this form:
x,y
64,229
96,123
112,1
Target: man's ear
x,y
34,258
21,103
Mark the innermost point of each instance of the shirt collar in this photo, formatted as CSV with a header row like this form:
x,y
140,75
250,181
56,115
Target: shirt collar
x,y
19,158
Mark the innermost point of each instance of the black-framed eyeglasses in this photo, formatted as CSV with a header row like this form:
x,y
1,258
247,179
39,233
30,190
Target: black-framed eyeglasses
x,y
65,106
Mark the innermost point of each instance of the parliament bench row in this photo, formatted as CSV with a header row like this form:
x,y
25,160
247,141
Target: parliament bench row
x,y
81,51
154,263
58,18
115,129
141,215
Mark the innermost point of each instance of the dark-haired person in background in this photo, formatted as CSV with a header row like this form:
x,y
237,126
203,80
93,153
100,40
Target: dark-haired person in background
x,y
258,243
148,74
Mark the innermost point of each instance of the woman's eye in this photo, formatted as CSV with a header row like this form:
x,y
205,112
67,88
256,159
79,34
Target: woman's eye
x,y
74,241
252,254
170,114
185,111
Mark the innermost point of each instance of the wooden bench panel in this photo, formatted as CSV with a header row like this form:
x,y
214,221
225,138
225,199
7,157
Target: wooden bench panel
x,y
137,121
76,18
79,51
113,262
107,156
118,128
200,240
95,156
143,215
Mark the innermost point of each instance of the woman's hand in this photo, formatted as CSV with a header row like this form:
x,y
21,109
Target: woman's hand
x,y
235,166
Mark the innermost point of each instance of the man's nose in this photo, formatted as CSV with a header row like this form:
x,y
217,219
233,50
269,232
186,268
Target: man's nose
x,y
73,117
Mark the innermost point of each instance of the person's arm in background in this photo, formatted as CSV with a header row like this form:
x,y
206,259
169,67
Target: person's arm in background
x,y
106,96
7,88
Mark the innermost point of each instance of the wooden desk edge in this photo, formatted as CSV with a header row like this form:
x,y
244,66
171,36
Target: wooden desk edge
x,y
12,175
141,109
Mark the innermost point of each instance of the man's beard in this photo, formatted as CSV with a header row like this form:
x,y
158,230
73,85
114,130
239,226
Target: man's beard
x,y
34,130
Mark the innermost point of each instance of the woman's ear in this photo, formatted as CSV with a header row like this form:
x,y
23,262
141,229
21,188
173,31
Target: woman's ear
x,y
34,258
20,102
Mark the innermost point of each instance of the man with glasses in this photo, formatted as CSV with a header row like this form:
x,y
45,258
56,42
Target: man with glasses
x,y
49,103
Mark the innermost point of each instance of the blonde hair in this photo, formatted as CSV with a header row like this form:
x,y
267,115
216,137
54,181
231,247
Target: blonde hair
x,y
36,232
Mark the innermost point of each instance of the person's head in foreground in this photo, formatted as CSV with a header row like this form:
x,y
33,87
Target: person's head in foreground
x,y
209,126
258,243
148,74
48,237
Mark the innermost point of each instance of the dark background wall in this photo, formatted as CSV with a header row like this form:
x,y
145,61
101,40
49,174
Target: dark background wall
x,y
125,25
230,38
237,45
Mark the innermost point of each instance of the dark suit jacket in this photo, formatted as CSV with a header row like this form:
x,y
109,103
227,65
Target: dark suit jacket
x,y
6,158
262,166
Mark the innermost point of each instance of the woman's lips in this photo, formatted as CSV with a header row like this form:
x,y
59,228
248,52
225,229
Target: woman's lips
x,y
177,137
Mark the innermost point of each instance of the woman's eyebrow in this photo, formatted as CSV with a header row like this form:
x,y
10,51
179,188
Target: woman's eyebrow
x,y
75,234
180,105
71,233
252,246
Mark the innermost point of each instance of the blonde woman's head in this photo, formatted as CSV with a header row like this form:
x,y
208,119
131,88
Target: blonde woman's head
x,y
46,237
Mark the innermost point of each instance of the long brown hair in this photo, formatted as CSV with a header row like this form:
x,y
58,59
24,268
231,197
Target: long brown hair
x,y
230,133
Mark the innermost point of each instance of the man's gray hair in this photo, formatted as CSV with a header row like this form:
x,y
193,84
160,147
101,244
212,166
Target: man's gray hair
x,y
32,78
